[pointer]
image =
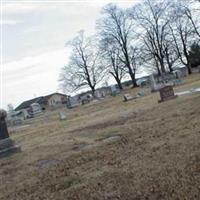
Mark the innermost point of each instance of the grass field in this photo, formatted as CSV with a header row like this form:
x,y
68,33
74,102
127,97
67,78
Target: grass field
x,y
109,149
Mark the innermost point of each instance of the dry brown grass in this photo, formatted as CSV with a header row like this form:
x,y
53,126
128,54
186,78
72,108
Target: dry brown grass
x,y
155,156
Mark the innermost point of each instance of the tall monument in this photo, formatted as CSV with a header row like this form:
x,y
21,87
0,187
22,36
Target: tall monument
x,y
3,126
6,144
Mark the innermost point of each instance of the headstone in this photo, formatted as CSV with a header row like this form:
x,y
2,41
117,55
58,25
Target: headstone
x,y
141,94
153,83
62,116
84,99
177,74
144,83
128,97
3,125
166,93
25,114
6,144
114,90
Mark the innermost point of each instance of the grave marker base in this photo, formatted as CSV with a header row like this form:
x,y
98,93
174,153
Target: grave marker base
x,y
170,98
8,147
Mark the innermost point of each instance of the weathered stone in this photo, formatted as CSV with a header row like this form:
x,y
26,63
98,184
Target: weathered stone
x,y
141,94
62,116
6,144
166,93
3,126
128,97
8,147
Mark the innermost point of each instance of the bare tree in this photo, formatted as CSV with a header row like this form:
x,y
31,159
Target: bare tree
x,y
195,23
152,18
170,52
115,26
182,31
114,65
84,69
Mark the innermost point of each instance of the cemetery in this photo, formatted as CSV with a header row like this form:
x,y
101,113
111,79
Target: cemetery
x,y
105,150
99,100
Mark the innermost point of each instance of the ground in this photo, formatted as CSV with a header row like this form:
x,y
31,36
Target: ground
x,y
109,149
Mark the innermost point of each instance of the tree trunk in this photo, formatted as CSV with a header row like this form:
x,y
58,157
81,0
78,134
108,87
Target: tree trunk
x,y
189,68
162,66
93,90
119,83
170,68
168,61
133,79
157,67
132,75
158,70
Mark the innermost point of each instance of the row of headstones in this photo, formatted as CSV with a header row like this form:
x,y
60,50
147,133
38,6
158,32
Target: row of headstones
x,y
166,79
163,84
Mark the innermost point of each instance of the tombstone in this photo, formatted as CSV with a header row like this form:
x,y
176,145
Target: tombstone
x,y
128,97
141,94
25,114
153,83
62,116
114,90
6,144
86,99
177,74
68,102
3,125
144,83
98,94
166,93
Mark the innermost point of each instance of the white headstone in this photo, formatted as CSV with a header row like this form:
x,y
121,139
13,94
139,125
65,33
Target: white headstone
x,y
62,116
153,82
113,88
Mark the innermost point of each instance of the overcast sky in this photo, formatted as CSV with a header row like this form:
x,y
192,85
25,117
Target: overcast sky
x,y
33,40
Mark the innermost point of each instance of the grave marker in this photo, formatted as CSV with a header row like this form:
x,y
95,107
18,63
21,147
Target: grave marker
x,y
62,116
166,93
6,144
128,97
114,90
3,126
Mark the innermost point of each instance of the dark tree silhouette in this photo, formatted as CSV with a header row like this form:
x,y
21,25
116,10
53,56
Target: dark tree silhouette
x,y
115,26
194,55
84,68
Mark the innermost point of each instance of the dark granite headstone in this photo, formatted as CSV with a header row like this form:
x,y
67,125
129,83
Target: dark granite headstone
x,y
3,125
166,93
7,146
